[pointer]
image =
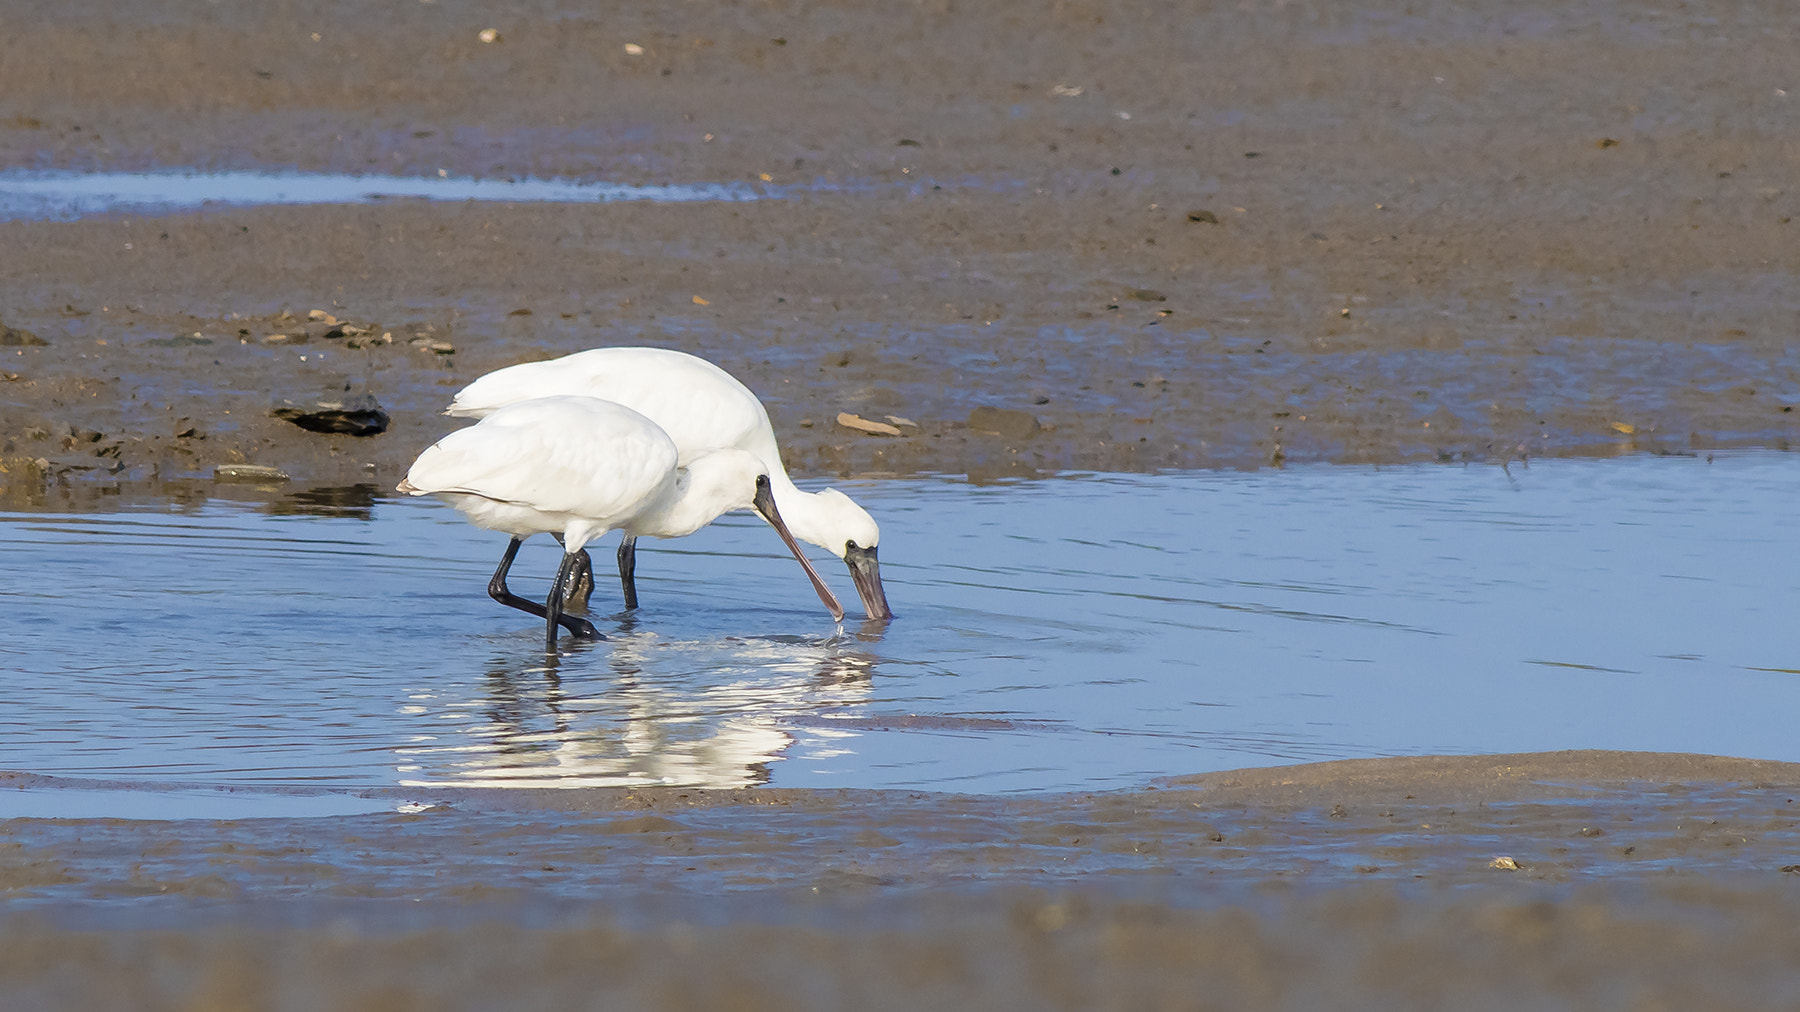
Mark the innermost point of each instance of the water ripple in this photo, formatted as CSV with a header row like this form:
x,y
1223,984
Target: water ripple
x,y
1631,604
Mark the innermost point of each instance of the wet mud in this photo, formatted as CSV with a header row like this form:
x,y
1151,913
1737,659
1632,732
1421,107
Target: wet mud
x,y
1602,879
1212,237
1171,237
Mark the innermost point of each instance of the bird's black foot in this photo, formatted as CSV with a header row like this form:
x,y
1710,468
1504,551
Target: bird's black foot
x,y
580,628
581,582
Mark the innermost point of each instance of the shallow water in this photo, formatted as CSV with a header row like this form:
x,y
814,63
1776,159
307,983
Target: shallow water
x,y
39,801
59,196
1083,632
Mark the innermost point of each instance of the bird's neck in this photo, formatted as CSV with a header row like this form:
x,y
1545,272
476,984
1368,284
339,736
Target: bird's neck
x,y
802,511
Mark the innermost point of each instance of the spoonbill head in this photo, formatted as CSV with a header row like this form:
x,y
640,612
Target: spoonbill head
x,y
702,408
578,467
831,515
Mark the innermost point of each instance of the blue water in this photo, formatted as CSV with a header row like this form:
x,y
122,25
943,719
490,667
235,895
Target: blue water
x,y
1083,632
59,196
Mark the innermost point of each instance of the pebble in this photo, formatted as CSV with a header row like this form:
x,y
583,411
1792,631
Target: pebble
x,y
1203,216
860,424
248,472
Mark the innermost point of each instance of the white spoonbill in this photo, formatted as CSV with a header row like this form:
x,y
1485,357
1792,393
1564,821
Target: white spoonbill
x,y
702,408
578,467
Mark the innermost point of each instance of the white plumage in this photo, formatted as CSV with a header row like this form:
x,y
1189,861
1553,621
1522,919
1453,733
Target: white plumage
x,y
578,467
701,406
703,409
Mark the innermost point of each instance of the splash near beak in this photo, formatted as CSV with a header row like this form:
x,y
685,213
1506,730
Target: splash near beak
x,y
764,504
865,572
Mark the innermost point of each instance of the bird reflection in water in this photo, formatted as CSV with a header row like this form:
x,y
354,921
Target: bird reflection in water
x,y
697,713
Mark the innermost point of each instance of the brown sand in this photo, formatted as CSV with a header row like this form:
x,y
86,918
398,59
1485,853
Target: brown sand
x,y
1451,230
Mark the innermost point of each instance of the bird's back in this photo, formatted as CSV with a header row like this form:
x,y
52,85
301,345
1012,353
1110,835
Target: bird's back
x,y
701,406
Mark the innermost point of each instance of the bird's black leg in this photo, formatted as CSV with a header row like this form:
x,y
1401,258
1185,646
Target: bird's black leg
x,y
553,605
580,628
628,569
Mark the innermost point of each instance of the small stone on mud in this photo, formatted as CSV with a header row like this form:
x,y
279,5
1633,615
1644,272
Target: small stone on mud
x,y
489,35
368,339
860,424
248,472
18,337
1004,422
433,345
1504,863
355,414
1203,216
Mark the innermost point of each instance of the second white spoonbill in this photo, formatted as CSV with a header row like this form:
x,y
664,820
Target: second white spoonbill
x,y
702,408
578,467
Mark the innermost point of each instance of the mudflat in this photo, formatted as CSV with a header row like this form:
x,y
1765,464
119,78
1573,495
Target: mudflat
x,y
1598,879
1048,237
1204,235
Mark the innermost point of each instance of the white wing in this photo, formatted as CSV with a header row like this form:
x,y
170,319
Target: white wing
x,y
701,406
575,455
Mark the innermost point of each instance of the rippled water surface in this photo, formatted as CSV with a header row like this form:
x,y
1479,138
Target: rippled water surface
x,y
1083,632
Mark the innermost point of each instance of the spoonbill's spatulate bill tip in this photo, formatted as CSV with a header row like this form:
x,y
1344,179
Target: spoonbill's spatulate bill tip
x,y
865,572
